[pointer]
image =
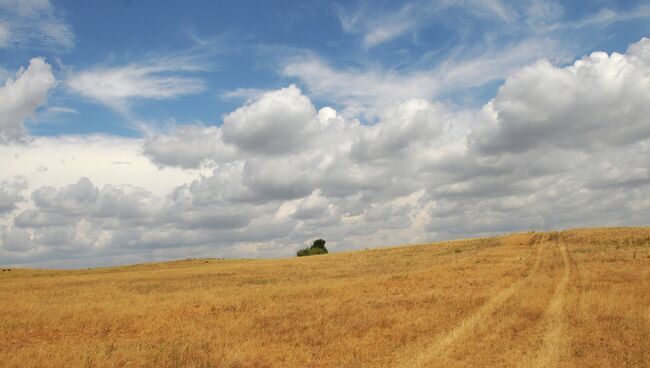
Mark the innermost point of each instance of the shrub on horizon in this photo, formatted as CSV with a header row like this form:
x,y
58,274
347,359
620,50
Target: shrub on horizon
x,y
318,247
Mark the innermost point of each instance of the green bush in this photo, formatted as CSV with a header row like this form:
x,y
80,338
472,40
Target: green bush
x,y
303,252
319,244
318,247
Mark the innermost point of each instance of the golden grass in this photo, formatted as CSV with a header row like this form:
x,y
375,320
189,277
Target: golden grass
x,y
578,298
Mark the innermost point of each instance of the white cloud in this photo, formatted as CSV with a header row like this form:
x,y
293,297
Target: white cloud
x,y
278,122
484,41
10,194
603,18
57,161
117,86
600,100
280,178
377,27
493,64
244,93
366,92
275,123
386,28
360,91
21,96
33,23
312,207
189,146
67,200
541,13
402,126
546,152
55,110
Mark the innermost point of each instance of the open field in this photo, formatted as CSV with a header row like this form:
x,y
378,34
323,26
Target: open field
x,y
578,298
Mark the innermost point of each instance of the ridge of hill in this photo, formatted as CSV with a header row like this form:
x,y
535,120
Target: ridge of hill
x,y
563,299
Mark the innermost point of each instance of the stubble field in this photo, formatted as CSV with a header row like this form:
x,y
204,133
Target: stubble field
x,y
578,298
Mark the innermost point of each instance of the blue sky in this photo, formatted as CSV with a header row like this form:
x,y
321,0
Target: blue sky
x,y
246,44
266,124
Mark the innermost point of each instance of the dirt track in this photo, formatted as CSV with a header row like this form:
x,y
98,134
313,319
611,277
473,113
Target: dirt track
x,y
543,340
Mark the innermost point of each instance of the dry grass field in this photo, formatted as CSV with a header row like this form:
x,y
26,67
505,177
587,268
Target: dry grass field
x,y
578,298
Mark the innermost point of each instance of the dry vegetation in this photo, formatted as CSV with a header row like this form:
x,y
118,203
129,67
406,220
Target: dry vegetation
x,y
578,298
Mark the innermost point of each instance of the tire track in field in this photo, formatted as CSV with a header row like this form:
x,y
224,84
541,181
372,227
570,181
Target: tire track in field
x,y
441,345
554,340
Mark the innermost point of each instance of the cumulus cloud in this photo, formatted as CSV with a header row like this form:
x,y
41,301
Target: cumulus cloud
x,y
82,218
278,122
285,178
311,207
21,96
402,126
600,100
71,199
556,147
10,194
465,180
189,146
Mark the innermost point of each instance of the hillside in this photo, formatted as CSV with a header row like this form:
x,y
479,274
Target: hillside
x,y
575,298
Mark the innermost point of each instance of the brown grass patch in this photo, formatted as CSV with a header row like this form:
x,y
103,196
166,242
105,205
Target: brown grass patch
x,y
575,298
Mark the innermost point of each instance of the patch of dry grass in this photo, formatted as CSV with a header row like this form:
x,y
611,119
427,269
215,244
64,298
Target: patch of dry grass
x,y
576,298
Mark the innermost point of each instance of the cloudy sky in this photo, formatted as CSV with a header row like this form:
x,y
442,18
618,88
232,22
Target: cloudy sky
x,y
140,131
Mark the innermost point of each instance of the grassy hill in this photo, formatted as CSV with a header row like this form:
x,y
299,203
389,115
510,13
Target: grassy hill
x,y
575,298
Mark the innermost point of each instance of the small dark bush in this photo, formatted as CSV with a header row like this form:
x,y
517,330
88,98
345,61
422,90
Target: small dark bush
x,y
319,244
303,252
318,247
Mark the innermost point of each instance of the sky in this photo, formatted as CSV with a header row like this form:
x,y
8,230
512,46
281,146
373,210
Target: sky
x,y
135,131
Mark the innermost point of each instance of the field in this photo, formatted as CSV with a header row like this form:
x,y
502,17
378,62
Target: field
x,y
578,298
